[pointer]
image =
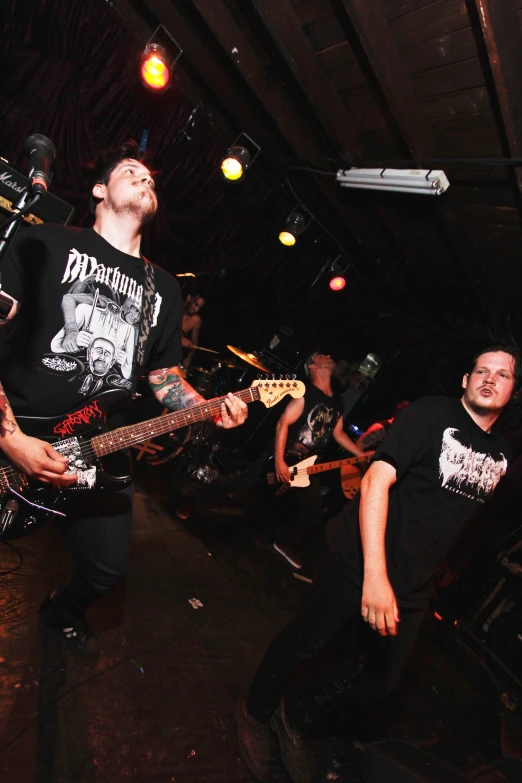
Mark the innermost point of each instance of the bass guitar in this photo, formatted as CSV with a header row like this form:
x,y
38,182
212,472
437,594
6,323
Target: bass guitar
x,y
24,504
300,473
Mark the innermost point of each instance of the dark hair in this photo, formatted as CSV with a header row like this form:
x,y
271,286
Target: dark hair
x,y
509,348
100,171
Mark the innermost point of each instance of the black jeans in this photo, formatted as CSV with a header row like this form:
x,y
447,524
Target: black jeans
x,y
97,531
335,602
300,511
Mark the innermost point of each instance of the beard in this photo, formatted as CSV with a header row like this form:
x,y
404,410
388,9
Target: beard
x,y
142,205
476,404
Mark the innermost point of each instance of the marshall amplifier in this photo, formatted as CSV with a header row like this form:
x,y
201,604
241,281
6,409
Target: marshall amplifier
x,y
49,209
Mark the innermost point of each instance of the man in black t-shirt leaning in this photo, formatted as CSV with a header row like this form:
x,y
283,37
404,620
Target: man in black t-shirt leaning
x,y
439,461
79,299
305,428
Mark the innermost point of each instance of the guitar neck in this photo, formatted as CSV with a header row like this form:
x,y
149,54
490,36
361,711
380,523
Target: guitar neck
x,y
118,439
340,463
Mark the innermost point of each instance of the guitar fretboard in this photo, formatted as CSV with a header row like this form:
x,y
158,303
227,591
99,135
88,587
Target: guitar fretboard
x,y
340,463
136,433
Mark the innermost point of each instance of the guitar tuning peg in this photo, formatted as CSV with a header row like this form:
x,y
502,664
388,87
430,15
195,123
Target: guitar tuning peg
x,y
294,376
287,377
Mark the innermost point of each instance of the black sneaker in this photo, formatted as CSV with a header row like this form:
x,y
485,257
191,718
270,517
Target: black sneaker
x,y
257,744
78,636
292,746
288,554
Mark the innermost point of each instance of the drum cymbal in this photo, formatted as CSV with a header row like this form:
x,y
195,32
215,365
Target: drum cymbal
x,y
249,358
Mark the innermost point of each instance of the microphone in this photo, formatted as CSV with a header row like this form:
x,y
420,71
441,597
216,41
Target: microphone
x,y
41,152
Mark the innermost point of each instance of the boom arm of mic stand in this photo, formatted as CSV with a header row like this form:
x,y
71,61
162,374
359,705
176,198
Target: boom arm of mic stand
x,y
11,225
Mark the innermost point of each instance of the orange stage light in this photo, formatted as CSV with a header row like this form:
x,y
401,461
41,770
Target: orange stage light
x,y
337,283
154,68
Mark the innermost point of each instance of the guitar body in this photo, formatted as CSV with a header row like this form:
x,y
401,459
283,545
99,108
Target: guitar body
x,y
300,473
25,505
350,481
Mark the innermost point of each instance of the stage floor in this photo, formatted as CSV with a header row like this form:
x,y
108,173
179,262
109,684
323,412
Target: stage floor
x,y
180,641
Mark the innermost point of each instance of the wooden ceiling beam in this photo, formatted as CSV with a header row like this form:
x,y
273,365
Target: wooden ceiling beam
x,y
390,71
502,36
214,75
291,124
284,26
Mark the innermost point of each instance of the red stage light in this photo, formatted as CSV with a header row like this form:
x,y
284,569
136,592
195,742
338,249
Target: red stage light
x,y
337,283
154,68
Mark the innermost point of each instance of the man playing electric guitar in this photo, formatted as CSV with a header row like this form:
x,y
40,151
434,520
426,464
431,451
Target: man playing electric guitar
x,y
306,426
53,358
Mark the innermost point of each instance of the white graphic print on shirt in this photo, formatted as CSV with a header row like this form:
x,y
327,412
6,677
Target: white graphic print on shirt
x,y
101,310
468,472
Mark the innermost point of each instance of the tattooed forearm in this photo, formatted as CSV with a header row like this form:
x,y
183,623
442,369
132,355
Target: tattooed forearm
x,y
173,391
7,420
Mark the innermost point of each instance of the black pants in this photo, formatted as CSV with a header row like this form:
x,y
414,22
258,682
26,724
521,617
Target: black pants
x,y
300,511
97,531
335,602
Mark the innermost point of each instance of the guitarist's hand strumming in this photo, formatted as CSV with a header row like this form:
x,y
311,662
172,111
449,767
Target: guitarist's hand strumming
x,y
37,459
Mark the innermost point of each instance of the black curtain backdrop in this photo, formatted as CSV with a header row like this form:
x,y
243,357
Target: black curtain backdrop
x,y
71,72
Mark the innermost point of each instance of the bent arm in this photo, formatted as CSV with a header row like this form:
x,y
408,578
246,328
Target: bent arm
x,y
340,437
172,390
290,415
34,457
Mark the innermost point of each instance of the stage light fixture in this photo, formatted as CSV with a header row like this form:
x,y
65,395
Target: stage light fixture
x,y
155,70
157,59
425,181
337,283
239,157
236,163
295,224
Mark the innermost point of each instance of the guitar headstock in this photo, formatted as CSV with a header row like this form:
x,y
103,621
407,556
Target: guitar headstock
x,y
271,391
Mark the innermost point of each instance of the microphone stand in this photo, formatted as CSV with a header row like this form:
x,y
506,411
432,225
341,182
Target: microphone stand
x,y
7,232
11,225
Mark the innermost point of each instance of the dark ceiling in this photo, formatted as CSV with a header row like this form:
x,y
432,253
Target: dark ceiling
x,y
319,84
377,80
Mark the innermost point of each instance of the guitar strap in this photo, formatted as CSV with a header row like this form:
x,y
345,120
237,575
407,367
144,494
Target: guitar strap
x,y
145,324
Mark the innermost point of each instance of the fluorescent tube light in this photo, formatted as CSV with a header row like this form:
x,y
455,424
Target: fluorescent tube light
x,y
430,182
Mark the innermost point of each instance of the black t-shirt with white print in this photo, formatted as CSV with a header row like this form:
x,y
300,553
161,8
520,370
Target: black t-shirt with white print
x,y
77,329
312,431
447,467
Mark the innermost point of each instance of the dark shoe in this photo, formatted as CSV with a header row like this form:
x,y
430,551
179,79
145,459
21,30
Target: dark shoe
x,y
77,635
292,747
288,554
257,744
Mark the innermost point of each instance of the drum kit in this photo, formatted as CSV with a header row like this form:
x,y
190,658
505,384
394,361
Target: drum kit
x,y
194,448
218,379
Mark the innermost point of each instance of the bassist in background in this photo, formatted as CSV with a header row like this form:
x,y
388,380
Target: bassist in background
x,y
305,428
50,351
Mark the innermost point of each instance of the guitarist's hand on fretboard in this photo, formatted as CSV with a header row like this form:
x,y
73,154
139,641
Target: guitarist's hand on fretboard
x,y
233,412
37,459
